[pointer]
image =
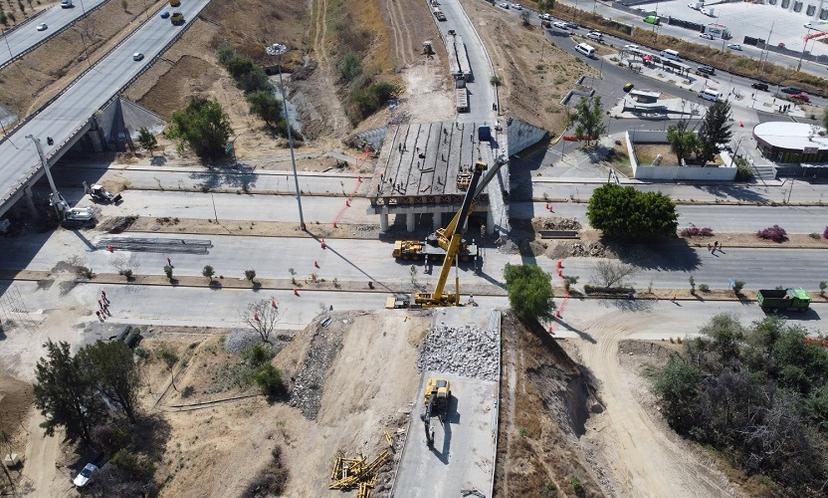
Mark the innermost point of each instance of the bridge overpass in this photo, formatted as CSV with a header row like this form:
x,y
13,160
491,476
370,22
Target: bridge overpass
x,y
68,116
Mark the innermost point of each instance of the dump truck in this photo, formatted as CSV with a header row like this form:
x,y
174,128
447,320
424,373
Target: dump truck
x,y
436,399
177,19
775,300
461,99
429,249
439,14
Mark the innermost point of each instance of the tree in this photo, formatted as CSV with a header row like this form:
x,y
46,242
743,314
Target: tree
x,y
203,126
269,380
529,288
676,387
546,5
495,80
589,119
264,104
262,317
350,67
726,334
168,271
250,275
65,393
624,212
208,272
612,273
714,130
683,142
112,366
146,139
692,282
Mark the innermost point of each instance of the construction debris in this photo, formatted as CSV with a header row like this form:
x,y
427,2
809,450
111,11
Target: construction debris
x,y
556,223
349,473
468,351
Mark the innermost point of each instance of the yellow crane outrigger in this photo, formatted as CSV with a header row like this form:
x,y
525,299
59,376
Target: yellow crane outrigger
x,y
449,239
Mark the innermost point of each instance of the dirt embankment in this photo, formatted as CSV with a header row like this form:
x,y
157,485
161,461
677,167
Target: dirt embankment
x,y
15,406
544,402
535,73
15,12
31,81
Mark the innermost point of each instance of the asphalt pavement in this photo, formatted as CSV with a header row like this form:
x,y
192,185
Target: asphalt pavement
x,y
61,119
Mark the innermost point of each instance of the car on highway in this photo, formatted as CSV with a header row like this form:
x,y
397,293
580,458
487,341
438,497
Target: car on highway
x,y
735,46
631,46
595,35
42,27
137,56
560,25
706,70
572,25
790,90
85,475
517,6
66,4
504,5
544,17
760,86
801,97
165,14
706,36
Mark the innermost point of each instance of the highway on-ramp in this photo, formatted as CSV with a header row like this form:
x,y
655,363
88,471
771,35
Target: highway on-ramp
x,y
24,37
70,112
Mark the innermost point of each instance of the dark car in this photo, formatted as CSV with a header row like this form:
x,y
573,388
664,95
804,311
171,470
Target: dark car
x,y
760,86
791,90
165,15
706,70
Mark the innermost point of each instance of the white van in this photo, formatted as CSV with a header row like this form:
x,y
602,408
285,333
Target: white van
x,y
585,49
670,54
595,35
708,94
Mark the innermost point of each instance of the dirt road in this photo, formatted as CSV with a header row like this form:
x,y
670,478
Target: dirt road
x,y
643,458
41,454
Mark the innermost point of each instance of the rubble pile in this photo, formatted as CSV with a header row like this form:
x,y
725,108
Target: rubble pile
x,y
592,249
559,224
468,351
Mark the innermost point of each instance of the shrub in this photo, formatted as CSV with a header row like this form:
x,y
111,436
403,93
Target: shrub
x,y
127,273
694,231
258,354
774,233
203,126
271,480
138,468
738,286
529,288
370,98
350,67
704,288
168,271
269,380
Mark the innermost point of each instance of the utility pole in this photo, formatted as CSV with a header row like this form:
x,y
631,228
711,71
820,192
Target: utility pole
x,y
804,45
277,50
767,52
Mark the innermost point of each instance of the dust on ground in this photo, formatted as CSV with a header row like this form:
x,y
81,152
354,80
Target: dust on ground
x,y
29,82
535,73
630,441
367,386
545,400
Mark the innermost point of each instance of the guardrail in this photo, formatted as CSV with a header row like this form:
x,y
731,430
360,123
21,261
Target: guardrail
x,y
146,66
51,34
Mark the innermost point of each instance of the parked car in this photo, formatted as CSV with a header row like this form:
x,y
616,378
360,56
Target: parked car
x,y
137,56
735,46
706,36
504,5
760,86
560,24
801,97
85,475
42,27
790,90
706,70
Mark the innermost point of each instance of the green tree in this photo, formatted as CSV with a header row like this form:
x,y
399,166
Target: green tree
x,y
683,142
589,119
116,376
250,275
350,67
624,212
264,104
146,139
726,334
269,380
65,393
208,272
714,130
676,387
203,126
495,80
546,5
529,288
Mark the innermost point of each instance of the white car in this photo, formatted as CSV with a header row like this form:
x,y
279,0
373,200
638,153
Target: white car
x,y
595,35
137,56
504,5
560,25
42,27
545,17
85,475
706,36
734,46
631,47
517,6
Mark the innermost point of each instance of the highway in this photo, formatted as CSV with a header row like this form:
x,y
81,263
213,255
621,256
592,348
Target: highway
x,y
71,111
22,38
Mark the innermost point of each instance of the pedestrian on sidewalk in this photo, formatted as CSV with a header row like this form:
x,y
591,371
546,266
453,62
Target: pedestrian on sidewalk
x,y
169,262
715,245
709,248
100,304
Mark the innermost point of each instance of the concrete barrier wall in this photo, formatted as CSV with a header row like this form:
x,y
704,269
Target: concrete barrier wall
x,y
672,173
522,135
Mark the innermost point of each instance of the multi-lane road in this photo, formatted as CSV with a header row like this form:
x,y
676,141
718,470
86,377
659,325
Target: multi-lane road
x,y
23,38
70,112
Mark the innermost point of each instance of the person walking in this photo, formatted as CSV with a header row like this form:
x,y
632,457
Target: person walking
x,y
103,296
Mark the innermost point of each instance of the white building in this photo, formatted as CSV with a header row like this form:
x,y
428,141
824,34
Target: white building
x,y
813,9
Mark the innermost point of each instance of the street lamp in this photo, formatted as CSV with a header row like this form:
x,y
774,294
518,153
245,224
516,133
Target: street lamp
x,y
277,50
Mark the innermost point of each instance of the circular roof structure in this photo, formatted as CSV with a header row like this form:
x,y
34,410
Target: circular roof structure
x,y
791,136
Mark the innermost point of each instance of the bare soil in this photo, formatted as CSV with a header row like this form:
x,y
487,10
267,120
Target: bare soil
x,y
16,15
367,388
535,73
41,74
646,154
545,398
15,407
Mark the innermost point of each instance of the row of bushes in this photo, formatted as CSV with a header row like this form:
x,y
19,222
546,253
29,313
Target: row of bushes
x,y
613,291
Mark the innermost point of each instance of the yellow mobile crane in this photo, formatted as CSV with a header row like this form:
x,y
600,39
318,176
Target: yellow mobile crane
x,y
450,240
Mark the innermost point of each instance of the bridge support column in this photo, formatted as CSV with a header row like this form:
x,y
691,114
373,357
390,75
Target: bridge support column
x,y
384,220
490,225
29,195
437,220
410,221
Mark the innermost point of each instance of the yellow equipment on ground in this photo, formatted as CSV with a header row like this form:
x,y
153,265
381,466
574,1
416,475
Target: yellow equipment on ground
x,y
436,397
350,473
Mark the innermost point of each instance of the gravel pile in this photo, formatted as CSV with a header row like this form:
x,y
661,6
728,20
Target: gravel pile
x,y
593,249
468,351
306,390
240,339
559,224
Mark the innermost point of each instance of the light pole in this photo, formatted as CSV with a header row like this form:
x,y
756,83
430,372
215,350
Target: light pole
x,y
804,46
277,50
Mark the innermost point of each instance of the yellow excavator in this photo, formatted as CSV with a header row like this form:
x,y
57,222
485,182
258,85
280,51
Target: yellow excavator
x,y
450,240
436,399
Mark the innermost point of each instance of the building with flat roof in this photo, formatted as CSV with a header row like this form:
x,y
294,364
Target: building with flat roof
x,y
788,142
